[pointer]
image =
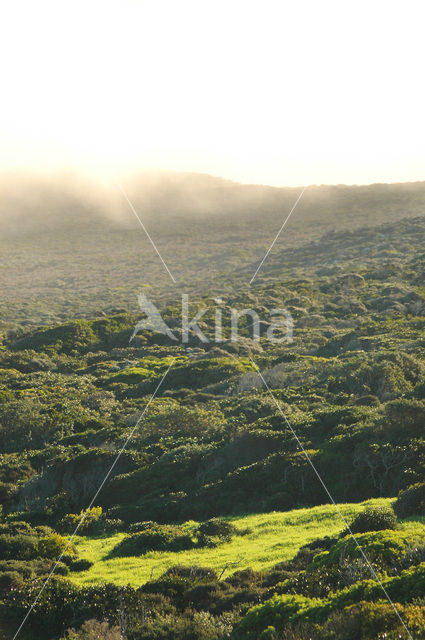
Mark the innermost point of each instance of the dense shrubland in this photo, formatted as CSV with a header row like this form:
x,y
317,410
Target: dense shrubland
x,y
326,578
213,443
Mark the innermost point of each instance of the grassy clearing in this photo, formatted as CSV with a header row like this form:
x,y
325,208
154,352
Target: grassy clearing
x,y
275,537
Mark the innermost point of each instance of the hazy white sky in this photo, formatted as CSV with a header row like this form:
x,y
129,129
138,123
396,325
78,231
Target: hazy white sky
x,y
277,92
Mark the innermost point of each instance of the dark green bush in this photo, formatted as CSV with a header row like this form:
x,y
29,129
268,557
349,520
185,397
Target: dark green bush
x,y
155,538
8,491
10,580
19,547
374,519
68,559
61,569
411,501
18,526
81,565
27,568
216,528
112,525
135,527
170,586
192,572
367,401
56,607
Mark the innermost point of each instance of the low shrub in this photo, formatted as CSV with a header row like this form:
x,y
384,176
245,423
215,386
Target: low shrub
x,y
172,587
374,519
215,531
52,546
91,522
28,568
10,580
112,525
217,528
414,554
56,607
192,572
199,625
68,559
298,618
321,581
154,538
411,501
386,550
135,527
43,530
81,565
272,616
61,569
370,621
8,492
17,526
367,401
94,630
19,547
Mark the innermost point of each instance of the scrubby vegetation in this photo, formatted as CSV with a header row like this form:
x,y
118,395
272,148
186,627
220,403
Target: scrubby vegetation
x,y
374,519
212,524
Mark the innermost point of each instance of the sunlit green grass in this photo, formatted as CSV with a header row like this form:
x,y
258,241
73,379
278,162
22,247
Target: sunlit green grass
x,y
275,537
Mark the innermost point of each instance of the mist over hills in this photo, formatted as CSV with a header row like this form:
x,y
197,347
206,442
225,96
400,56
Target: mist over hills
x,y
66,197
71,246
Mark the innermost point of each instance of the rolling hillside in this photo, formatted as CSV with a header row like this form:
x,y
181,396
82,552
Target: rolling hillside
x,y
212,524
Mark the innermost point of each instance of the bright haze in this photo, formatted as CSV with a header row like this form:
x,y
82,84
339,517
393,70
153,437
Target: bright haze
x,y
274,92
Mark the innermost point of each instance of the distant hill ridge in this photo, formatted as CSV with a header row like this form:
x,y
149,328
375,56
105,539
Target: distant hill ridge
x,y
65,255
